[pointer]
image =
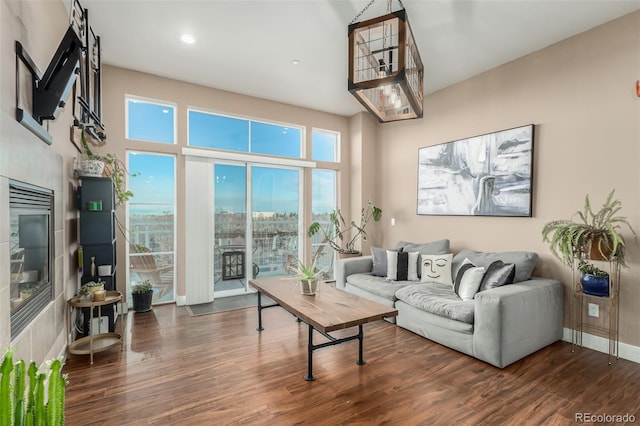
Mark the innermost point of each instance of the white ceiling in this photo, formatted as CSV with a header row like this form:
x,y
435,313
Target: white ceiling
x,y
247,46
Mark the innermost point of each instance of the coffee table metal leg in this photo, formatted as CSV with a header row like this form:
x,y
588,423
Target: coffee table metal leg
x,y
360,361
259,312
309,376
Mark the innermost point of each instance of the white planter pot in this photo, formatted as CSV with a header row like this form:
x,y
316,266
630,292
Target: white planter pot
x,y
92,168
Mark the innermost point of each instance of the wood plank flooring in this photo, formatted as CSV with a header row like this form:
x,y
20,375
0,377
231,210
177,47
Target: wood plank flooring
x,y
217,369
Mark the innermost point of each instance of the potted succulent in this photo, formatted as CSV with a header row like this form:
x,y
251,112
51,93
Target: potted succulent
x,y
342,235
596,235
594,280
307,276
88,290
142,294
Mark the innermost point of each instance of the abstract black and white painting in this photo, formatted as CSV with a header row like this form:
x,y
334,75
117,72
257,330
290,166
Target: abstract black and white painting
x,y
487,175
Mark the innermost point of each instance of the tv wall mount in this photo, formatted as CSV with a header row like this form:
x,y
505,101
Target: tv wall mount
x,y
78,55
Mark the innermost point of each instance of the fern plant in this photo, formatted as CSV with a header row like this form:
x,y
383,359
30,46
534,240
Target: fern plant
x,y
599,231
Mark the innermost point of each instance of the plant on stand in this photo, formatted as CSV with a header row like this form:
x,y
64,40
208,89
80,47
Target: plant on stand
x,y
342,235
113,168
596,235
594,280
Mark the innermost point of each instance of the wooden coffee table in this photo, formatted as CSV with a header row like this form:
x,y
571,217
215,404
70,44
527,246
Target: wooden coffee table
x,y
330,309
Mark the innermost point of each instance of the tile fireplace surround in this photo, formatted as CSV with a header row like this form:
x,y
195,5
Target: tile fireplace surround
x,y
25,158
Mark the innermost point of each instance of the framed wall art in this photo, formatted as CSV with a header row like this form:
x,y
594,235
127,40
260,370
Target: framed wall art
x,y
487,175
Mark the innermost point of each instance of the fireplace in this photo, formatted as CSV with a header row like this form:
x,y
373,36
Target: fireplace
x,y
31,249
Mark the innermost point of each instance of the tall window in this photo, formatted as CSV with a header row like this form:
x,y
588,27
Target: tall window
x,y
150,121
152,222
324,145
207,130
323,201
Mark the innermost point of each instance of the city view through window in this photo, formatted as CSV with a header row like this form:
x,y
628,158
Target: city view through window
x,y
265,245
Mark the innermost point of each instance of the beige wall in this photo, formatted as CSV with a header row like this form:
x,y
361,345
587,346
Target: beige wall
x,y
118,82
580,94
39,26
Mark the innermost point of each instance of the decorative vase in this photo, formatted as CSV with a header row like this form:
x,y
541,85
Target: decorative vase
x,y
308,287
91,168
142,301
594,285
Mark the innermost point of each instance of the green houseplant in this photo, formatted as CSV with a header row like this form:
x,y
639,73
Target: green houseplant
x,y
32,397
307,276
594,235
594,280
342,235
142,295
113,168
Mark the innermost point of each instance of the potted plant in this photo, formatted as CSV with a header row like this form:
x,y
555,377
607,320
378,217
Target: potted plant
x,y
28,396
594,280
595,235
307,276
342,235
142,295
88,290
111,167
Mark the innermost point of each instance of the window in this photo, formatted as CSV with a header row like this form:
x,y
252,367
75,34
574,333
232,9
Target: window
x,y
150,121
152,223
215,131
324,145
323,202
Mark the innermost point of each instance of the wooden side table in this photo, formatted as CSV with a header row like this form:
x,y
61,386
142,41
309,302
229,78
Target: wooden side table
x,y
93,343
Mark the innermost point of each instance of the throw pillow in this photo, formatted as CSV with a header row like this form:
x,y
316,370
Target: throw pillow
x,y
436,268
433,247
498,274
401,266
468,280
379,257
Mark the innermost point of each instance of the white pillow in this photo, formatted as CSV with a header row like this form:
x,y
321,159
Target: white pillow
x,y
468,280
436,268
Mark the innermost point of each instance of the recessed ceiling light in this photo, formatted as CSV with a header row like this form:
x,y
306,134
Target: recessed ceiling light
x,y
295,62
187,38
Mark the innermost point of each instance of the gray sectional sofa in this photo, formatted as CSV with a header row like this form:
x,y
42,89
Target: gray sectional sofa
x,y
499,325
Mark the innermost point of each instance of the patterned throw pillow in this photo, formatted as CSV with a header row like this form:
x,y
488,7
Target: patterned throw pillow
x,y
402,266
468,280
436,268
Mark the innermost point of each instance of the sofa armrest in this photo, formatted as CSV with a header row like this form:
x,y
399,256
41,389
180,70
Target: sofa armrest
x,y
516,320
352,265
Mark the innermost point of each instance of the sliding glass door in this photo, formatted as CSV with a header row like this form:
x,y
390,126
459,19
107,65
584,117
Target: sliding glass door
x,y
264,242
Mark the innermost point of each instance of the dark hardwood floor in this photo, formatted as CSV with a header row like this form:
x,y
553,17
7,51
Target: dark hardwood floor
x,y
217,369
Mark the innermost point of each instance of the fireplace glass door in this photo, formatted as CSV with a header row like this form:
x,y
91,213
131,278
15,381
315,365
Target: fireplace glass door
x,y
30,260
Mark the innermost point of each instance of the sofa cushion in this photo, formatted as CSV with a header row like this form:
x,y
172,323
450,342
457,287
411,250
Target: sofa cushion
x,y
379,257
497,275
402,266
379,286
468,280
433,247
438,299
524,261
436,268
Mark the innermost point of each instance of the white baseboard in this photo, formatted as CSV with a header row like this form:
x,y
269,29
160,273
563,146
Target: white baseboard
x,y
601,344
181,300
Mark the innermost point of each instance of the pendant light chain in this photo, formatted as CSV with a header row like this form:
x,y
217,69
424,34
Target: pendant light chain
x,y
369,5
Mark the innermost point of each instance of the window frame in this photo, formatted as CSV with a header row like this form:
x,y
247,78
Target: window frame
x,y
168,104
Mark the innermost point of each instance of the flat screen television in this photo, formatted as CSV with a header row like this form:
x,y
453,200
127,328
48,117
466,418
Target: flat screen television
x,y
52,91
